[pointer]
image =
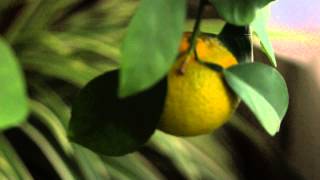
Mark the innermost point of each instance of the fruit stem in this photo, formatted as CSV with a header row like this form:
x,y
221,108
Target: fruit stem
x,y
196,27
194,35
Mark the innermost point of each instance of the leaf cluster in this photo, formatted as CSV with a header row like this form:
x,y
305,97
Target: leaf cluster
x,y
111,108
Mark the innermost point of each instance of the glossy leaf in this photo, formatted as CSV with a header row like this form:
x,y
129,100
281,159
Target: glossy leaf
x,y
13,98
259,28
263,90
150,46
106,124
238,12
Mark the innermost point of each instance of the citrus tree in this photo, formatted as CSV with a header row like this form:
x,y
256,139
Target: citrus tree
x,y
162,79
117,112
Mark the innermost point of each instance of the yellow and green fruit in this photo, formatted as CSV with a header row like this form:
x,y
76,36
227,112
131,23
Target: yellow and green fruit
x,y
198,100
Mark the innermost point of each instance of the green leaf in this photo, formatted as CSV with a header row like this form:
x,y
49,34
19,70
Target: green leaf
x,y
202,160
52,122
238,12
91,164
142,167
104,123
259,28
151,44
263,90
15,165
13,98
49,151
69,69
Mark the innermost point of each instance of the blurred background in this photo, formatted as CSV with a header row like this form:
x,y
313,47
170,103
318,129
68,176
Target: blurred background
x,y
295,33
62,44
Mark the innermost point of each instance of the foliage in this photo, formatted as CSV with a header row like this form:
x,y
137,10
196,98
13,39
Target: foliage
x,y
129,130
152,41
269,103
147,57
61,46
258,26
239,12
13,99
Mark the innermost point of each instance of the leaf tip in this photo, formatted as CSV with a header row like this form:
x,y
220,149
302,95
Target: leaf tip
x,y
274,130
274,63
